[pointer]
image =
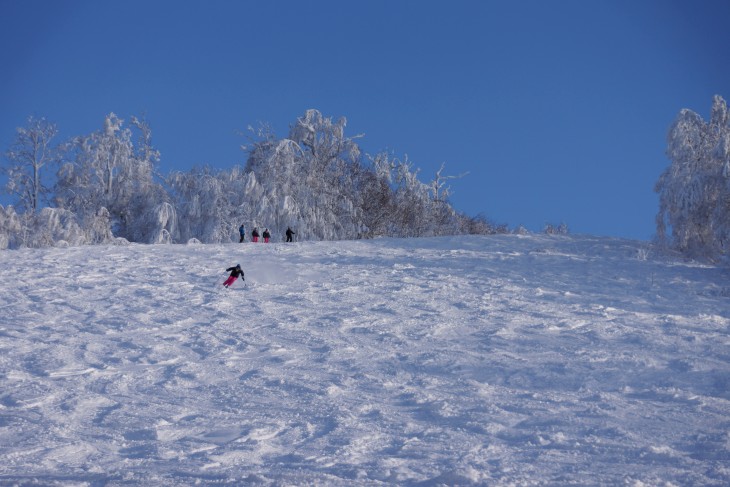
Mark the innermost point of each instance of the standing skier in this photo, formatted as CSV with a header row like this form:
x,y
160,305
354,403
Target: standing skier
x,y
289,233
242,232
255,235
266,235
235,272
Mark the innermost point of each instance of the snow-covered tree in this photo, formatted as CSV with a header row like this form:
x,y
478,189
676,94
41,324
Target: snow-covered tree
x,y
694,191
331,159
560,229
439,190
278,195
377,197
210,204
33,151
307,179
53,226
97,227
46,228
11,228
419,209
314,181
109,172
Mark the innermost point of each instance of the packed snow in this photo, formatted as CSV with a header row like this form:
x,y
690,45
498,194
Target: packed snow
x,y
493,360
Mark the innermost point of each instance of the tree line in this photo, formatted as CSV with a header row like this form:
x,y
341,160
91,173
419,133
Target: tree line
x,y
107,187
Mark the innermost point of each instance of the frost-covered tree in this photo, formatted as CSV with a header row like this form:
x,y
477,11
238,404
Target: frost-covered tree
x,y
33,152
560,229
53,226
419,209
11,228
445,219
109,172
315,179
90,181
331,160
307,180
377,196
480,225
278,195
97,227
412,201
694,191
145,210
439,190
210,205
46,228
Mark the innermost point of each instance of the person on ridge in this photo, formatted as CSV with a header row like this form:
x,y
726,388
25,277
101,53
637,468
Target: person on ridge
x,y
242,232
289,233
235,272
255,235
266,235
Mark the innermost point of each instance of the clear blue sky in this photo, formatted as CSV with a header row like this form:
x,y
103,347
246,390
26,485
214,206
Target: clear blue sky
x,y
558,110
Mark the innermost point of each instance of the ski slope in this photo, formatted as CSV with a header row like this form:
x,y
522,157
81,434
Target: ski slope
x,y
499,360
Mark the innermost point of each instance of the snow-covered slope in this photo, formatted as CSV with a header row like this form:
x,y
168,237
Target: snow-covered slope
x,y
503,360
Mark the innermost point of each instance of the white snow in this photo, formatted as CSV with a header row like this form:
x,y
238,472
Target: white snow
x,y
500,360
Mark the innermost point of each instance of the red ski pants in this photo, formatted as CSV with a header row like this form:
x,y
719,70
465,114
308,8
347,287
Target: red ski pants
x,y
230,281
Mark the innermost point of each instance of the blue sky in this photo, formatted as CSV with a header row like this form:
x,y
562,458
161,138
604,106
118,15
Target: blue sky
x,y
558,110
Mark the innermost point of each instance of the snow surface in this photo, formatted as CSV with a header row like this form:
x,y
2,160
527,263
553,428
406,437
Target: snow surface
x,y
500,360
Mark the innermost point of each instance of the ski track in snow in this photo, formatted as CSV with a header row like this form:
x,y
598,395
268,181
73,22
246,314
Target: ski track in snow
x,y
503,360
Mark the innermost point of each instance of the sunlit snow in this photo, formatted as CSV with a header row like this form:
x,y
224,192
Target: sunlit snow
x,y
496,360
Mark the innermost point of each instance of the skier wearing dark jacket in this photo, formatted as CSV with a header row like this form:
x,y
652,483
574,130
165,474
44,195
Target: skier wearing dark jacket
x,y
235,272
289,233
255,235
266,235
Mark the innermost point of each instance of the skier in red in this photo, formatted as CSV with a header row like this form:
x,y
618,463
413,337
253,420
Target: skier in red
x,y
235,272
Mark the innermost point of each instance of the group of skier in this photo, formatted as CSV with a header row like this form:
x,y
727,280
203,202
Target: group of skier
x,y
237,271
266,234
